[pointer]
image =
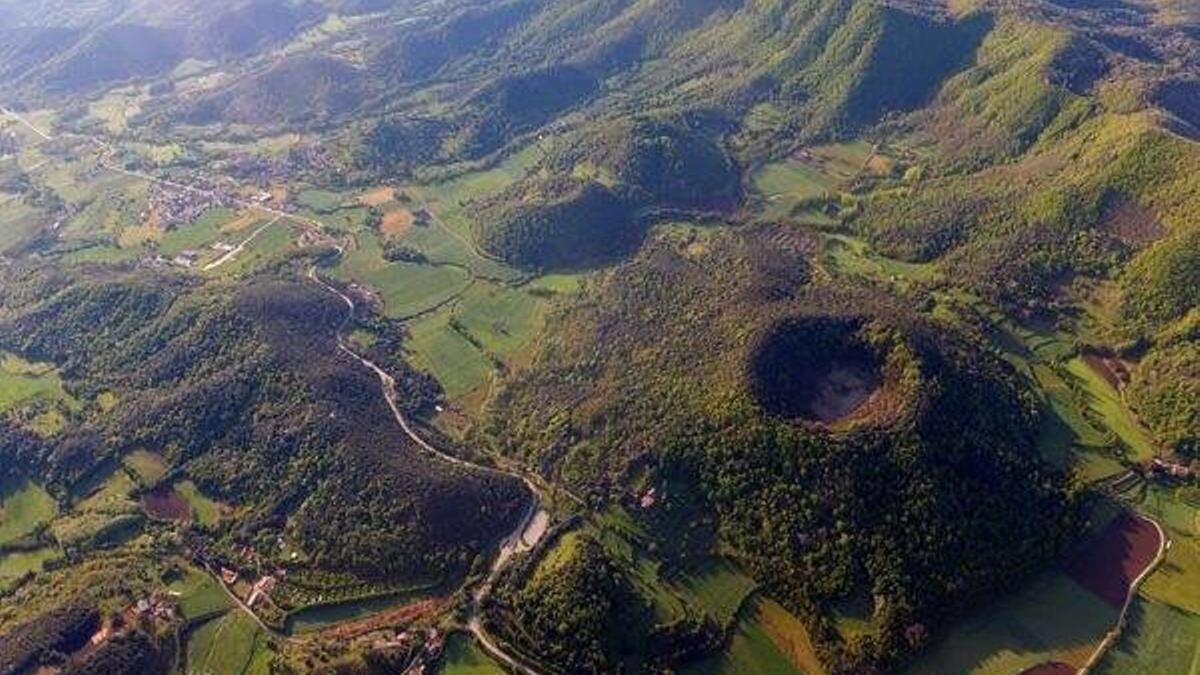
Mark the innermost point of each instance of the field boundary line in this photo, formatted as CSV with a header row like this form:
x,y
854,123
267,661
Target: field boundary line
x,y
1164,545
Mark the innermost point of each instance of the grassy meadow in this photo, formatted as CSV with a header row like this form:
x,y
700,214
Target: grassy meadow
x,y
1054,619
22,381
199,594
231,644
766,640
464,657
24,507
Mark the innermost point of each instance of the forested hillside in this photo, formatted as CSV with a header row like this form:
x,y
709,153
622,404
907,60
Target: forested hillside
x,y
249,397
846,447
809,337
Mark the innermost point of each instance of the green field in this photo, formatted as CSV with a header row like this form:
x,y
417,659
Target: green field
x,y
18,223
407,289
199,594
228,645
1055,619
24,507
1106,402
206,511
488,322
197,235
321,201
450,238
751,650
557,284
22,381
792,181
853,256
718,587
19,563
438,348
103,512
321,616
1157,639
112,496
268,245
503,319
1177,581
464,657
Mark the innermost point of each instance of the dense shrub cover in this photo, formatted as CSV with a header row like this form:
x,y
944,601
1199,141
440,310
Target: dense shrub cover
x,y
934,499
560,223
577,612
46,639
251,398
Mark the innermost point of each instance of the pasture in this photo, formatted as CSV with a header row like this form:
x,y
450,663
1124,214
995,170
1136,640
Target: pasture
x,y
327,614
22,381
1054,619
461,344
445,352
718,587
227,645
196,235
464,657
752,649
18,223
407,289
1105,402
1177,581
1157,639
198,593
24,507
504,320
149,467
206,511
17,564
449,237
789,635
267,246
102,513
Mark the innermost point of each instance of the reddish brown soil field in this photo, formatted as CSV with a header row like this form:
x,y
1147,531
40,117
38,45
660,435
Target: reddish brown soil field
x,y
163,503
1052,668
1109,563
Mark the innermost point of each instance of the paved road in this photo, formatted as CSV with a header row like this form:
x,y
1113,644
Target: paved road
x,y
1164,545
533,523
524,537
232,253
45,136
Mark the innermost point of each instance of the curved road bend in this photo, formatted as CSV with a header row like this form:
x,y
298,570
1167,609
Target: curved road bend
x,y
524,537
1164,545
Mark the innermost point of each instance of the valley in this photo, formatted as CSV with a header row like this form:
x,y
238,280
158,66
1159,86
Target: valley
x,y
810,338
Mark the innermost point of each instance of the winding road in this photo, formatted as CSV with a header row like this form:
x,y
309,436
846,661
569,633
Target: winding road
x,y
533,523
1164,545
524,537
